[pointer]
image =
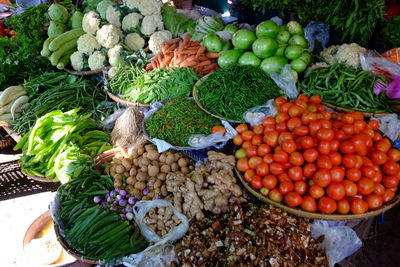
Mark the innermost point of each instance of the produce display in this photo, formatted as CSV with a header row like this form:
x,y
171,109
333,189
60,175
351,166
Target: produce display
x,y
178,120
309,158
229,92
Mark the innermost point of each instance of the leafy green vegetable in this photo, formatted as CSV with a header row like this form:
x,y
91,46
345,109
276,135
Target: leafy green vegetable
x,y
391,31
177,24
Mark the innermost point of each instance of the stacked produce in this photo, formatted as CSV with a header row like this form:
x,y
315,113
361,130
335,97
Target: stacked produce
x,y
229,92
161,220
178,120
250,235
348,54
310,158
12,101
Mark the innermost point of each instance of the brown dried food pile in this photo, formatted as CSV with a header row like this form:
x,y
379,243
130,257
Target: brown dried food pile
x,y
161,220
250,235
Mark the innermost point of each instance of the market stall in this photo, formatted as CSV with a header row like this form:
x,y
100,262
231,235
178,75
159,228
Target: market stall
x,y
183,137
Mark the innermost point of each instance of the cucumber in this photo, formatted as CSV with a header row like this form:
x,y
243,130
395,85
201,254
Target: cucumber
x,y
64,38
45,50
65,59
55,57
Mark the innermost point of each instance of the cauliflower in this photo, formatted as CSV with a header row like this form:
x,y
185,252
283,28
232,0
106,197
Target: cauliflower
x,y
348,54
87,43
157,39
108,36
113,15
146,7
134,41
131,21
97,60
115,51
91,22
152,23
329,54
132,4
112,71
77,60
116,61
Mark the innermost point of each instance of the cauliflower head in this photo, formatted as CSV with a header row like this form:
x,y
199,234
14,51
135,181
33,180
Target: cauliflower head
x,y
113,15
350,54
91,22
87,43
131,21
115,51
152,23
132,4
112,71
150,7
157,39
77,60
108,36
134,41
97,60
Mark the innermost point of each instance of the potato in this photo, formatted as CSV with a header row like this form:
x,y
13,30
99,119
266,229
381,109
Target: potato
x,y
134,154
126,174
182,162
157,184
133,171
112,169
145,162
174,167
140,185
155,163
165,169
185,170
164,191
144,169
118,177
150,147
145,155
140,150
153,155
142,176
170,159
126,163
131,180
118,183
162,176
153,170
132,191
177,156
116,160
119,168
136,162
162,157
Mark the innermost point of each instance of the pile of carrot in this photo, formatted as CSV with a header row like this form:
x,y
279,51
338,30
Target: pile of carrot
x,y
181,53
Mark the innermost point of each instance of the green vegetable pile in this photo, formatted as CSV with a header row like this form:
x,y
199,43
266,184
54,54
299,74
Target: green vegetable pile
x,y
176,23
95,233
135,84
230,91
61,145
391,31
20,56
179,119
346,87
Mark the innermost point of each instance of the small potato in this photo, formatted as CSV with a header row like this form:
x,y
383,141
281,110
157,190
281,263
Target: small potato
x,y
116,160
182,162
150,147
153,170
170,159
126,163
185,170
140,150
142,176
119,169
131,180
145,155
140,185
157,184
133,171
112,168
174,167
153,155
162,176
144,168
136,162
117,183
162,158
133,191
151,182
134,154
118,177
164,191
155,163
165,169
145,162
126,174
177,156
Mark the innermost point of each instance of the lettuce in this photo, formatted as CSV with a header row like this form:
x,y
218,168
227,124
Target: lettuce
x,y
177,24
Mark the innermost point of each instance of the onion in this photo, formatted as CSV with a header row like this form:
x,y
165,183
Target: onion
x,y
132,200
97,199
146,191
122,202
128,208
129,216
122,193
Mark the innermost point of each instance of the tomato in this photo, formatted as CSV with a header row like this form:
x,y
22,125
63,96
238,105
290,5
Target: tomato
x,y
310,155
334,145
237,140
242,164
254,162
258,129
336,191
367,162
336,158
350,188
347,147
284,137
301,130
322,177
383,146
324,147
359,126
353,174
326,114
357,115
324,162
285,107
367,139
281,127
337,173
316,191
312,108
358,206
394,154
340,135
251,151
308,117
374,201
285,187
264,191
374,124
307,142
268,158
377,137
257,140
275,168
378,157
388,195
289,146
246,144
249,175
349,161
269,128
309,170
379,189
301,103
270,181
314,126
293,199
348,129
262,169
391,168
327,205
271,138
343,206
316,99
347,118
280,101
390,182
365,186
218,128
325,134
295,173
377,177
359,161
303,98
247,135
325,124
293,123
300,187
241,128
256,183
283,177
275,195
359,144
281,156
309,204
368,171
296,111
281,117
263,150
369,132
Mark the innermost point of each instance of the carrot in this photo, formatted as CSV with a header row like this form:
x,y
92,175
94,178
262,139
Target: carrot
x,y
154,65
165,47
171,48
189,52
196,43
186,39
202,58
204,63
200,51
163,65
173,41
190,63
210,68
198,68
168,58
149,67
212,55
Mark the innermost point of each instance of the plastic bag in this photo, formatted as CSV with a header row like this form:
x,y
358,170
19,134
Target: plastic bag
x,y
316,31
254,116
217,139
390,126
277,20
379,65
286,80
339,242
108,124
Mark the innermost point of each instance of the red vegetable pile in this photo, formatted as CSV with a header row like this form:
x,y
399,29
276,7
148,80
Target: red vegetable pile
x,y
6,32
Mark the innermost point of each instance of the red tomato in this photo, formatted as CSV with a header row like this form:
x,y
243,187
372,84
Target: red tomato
x,y
242,164
377,137
383,146
374,201
322,177
377,177
340,135
303,98
281,117
251,151
237,140
336,191
337,173
307,142
308,117
324,147
263,150
296,158
262,169
275,195
293,123
348,129
391,168
293,199
283,177
347,147
256,183
301,130
281,156
343,206
241,128
218,128
374,124
309,204
325,114
353,174
259,129
368,171
360,145
316,191
301,103
289,146
271,138
314,126
300,187
350,188
310,155
390,182
285,187
309,170
369,132
268,121
325,124
347,118
334,145
388,195
357,115
365,186
349,161
378,157
284,137
281,127
316,99
296,111
295,173
249,175
367,139
359,126
269,128
324,134
268,158
358,206
270,181
246,144
275,168
379,189
335,158
327,205
256,140
394,154
324,162
285,107
280,101
367,162
359,161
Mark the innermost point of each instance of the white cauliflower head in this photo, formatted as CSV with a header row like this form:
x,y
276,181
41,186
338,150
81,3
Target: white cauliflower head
x,y
108,36
157,39
91,22
150,7
350,54
131,21
77,60
134,41
87,43
96,60
152,23
115,50
112,71
132,4
113,15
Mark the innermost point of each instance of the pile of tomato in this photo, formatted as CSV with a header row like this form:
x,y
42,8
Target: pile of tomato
x,y
310,158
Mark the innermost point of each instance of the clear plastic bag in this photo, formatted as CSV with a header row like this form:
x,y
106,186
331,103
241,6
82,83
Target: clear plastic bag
x,y
254,116
286,80
277,20
390,126
380,65
339,241
316,31
217,139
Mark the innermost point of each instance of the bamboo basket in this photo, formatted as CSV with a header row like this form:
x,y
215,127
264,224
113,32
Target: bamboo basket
x,y
126,102
87,73
366,114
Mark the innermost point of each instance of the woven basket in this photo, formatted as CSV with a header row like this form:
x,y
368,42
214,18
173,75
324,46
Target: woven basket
x,y
126,102
366,114
87,73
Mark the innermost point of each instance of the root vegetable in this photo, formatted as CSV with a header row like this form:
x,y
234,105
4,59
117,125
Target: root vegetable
x,y
142,176
145,162
162,176
119,169
140,185
165,168
155,163
140,150
131,180
177,156
153,170
157,184
162,158
174,167
152,155
133,171
183,162
126,163
185,170
170,159
117,184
